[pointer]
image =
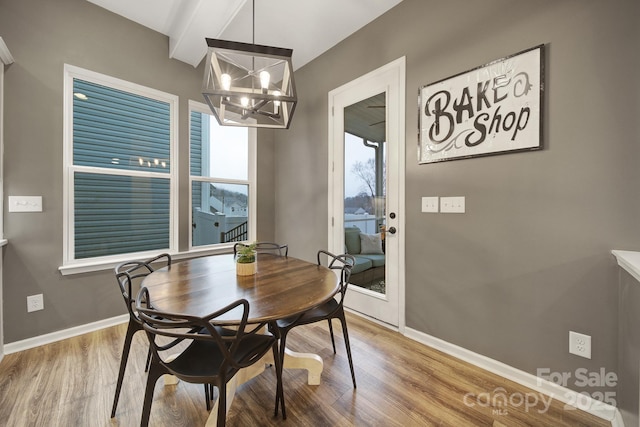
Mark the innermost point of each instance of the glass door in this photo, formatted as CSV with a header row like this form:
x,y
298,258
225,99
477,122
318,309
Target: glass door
x,y
364,190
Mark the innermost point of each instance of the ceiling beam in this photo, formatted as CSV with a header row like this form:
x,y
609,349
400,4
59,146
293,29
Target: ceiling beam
x,y
189,29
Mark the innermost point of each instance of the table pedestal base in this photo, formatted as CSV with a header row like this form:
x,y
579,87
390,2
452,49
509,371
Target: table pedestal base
x,y
292,360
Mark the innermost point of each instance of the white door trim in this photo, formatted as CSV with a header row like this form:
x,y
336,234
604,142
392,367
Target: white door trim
x,y
396,93
5,59
2,242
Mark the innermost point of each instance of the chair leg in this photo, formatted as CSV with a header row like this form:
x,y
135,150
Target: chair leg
x,y
148,365
333,342
343,321
131,330
280,361
207,396
155,372
279,385
222,403
276,355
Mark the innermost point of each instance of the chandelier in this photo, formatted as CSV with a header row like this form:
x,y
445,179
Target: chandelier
x,y
249,85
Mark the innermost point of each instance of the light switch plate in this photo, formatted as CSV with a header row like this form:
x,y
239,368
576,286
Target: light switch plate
x,y
430,204
452,204
25,203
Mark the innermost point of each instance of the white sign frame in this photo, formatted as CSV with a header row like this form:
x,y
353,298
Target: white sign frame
x,y
491,109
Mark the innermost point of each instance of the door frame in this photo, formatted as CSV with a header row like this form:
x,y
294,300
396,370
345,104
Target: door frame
x,y
1,207
393,75
9,60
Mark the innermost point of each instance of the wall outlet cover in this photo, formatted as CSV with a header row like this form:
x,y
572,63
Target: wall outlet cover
x,y
35,303
580,344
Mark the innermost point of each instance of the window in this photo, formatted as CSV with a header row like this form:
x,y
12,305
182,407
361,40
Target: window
x,y
120,171
222,179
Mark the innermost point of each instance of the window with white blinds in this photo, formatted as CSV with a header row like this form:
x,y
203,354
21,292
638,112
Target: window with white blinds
x,y
120,172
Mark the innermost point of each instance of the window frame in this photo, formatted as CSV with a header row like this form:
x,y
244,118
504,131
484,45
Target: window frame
x,y
251,181
70,264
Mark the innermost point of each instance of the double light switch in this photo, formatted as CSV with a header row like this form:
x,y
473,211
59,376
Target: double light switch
x,y
443,204
25,203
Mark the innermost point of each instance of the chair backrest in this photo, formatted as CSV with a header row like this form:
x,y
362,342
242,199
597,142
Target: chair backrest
x,y
161,325
342,262
130,272
265,248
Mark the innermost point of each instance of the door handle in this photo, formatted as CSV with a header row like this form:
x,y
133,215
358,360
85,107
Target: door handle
x,y
392,230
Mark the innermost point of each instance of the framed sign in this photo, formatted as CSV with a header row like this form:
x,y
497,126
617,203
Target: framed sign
x,y
491,109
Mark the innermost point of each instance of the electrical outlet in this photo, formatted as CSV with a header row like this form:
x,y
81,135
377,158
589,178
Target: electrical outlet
x,y
35,303
580,344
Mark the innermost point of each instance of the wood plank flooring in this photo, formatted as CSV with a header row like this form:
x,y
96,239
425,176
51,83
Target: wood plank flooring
x,y
400,383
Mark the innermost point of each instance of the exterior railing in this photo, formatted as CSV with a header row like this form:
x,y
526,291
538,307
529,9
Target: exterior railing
x,y
366,223
236,234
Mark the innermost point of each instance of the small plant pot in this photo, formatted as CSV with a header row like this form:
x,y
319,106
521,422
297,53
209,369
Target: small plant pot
x,y
245,268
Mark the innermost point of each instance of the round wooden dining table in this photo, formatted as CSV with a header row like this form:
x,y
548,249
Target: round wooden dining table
x,y
281,287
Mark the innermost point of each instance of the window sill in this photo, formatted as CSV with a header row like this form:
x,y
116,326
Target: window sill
x,y
88,267
630,261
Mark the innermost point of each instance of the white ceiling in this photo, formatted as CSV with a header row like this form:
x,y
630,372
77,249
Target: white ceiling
x,y
308,27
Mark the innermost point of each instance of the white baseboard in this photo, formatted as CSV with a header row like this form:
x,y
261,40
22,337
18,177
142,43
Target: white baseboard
x,y
563,394
17,346
372,319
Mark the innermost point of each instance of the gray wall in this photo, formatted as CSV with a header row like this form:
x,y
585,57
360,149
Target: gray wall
x,y
530,260
42,36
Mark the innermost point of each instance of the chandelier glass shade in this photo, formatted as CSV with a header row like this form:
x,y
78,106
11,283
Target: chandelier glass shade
x,y
249,85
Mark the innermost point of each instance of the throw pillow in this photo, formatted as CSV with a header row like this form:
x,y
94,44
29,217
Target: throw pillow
x,y
352,240
371,244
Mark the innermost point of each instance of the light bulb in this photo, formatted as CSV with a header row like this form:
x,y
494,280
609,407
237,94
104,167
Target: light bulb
x,y
276,104
264,79
225,79
244,101
140,161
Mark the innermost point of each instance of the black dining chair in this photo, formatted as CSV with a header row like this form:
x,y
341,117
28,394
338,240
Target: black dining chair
x,y
264,247
332,309
213,354
129,275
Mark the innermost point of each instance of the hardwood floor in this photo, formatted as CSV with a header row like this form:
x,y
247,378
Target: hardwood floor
x,y
400,383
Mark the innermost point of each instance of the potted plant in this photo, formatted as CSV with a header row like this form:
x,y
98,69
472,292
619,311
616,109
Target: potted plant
x,y
246,260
